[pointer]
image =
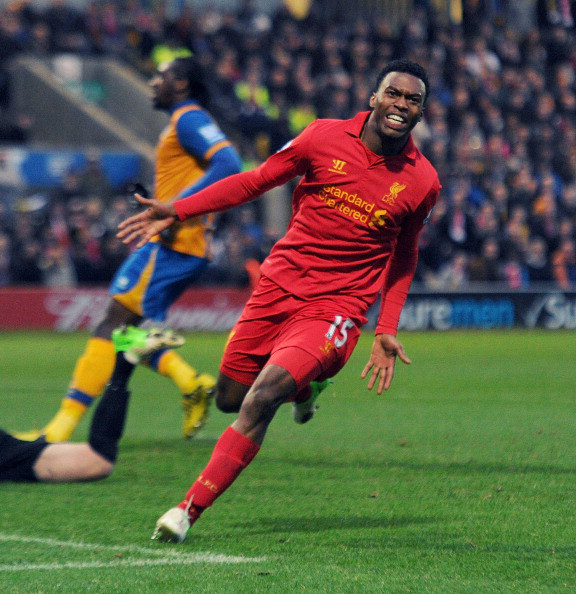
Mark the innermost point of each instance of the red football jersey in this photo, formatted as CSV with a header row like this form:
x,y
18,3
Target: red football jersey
x,y
356,217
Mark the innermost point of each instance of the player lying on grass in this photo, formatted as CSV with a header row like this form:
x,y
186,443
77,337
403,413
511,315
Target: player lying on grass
x,y
43,461
365,193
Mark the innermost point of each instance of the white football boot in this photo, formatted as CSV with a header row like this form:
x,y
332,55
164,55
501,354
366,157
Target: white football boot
x,y
172,526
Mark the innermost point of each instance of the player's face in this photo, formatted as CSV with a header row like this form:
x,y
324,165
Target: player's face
x,y
397,104
162,84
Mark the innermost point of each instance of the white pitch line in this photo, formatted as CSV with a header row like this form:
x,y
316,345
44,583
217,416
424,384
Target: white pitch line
x,y
169,557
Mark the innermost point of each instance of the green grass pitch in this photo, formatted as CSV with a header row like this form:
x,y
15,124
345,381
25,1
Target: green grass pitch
x,y
461,478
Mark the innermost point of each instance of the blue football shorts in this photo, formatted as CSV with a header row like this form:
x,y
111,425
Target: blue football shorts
x,y
152,278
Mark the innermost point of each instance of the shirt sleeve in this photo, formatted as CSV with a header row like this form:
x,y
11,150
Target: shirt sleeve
x,y
402,266
289,162
226,161
200,136
198,133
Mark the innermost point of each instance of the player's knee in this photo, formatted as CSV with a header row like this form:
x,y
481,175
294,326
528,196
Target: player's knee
x,y
98,468
225,405
229,395
104,469
261,402
116,315
226,402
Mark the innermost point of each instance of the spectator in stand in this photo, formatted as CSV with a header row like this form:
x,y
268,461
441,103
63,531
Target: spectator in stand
x,y
487,223
544,217
487,266
117,211
566,229
300,115
228,265
113,253
564,264
558,41
452,276
554,14
567,200
67,28
256,108
12,38
5,260
516,231
335,106
495,157
14,129
434,248
93,180
57,267
498,196
26,249
457,225
522,185
537,261
470,142
460,105
480,60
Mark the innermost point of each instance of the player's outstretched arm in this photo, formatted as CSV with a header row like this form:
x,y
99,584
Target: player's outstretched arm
x,y
145,225
380,366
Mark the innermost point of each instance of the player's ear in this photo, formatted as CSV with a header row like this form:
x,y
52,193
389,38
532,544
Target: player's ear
x,y
372,100
181,84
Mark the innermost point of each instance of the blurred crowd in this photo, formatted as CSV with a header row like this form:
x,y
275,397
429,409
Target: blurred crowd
x,y
499,125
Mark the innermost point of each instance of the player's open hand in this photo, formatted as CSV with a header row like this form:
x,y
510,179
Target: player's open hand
x,y
145,225
382,362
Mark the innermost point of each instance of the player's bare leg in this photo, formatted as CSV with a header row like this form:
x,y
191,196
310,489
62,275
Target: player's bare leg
x,y
230,394
69,462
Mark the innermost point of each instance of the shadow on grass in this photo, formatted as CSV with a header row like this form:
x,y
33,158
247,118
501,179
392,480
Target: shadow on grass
x,y
317,524
363,536
196,444
467,467
203,446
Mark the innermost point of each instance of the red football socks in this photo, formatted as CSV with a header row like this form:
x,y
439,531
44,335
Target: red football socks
x,y
232,453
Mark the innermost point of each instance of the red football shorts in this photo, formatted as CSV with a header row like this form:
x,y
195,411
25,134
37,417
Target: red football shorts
x,y
312,340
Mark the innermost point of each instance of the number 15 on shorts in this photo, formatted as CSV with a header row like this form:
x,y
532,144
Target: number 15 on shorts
x,y
339,330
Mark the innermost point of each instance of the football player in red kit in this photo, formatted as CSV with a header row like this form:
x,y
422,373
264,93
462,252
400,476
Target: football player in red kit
x,y
365,193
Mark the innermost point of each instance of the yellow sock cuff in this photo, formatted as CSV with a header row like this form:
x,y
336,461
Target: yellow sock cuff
x,y
73,408
183,375
94,368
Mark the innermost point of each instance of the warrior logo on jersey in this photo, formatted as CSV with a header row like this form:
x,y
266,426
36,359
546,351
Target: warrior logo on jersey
x,y
338,167
395,189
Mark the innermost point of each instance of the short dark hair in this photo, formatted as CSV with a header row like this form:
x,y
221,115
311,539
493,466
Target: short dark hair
x,y
188,69
408,67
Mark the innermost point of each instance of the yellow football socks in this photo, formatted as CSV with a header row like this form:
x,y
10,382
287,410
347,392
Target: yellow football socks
x,y
91,374
183,375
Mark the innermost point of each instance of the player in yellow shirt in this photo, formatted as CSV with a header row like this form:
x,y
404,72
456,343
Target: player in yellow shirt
x,y
192,153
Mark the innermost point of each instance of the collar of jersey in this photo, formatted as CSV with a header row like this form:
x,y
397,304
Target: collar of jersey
x,y
183,104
